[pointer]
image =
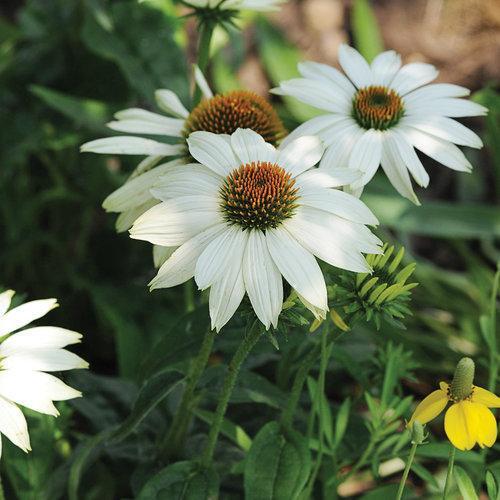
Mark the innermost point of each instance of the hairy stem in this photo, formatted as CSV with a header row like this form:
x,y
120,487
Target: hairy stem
x,y
206,32
406,471
233,370
449,474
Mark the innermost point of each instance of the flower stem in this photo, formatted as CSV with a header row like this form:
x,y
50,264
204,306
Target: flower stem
x,y
176,434
2,493
451,462
493,364
206,32
233,370
406,471
189,296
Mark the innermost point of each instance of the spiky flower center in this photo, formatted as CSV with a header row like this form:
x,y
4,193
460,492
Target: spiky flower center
x,y
258,195
377,107
225,113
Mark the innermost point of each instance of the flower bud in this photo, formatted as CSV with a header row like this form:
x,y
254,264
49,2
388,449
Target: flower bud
x,y
461,386
417,433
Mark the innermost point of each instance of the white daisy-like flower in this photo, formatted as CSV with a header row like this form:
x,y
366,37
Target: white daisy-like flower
x,y
378,114
25,357
247,215
220,114
257,5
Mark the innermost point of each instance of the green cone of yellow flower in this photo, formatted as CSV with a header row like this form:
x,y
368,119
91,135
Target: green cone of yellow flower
x,y
468,421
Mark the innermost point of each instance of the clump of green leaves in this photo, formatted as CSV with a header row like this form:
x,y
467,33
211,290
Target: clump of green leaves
x,y
382,295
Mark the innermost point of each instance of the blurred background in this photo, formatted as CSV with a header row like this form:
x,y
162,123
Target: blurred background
x,y
67,65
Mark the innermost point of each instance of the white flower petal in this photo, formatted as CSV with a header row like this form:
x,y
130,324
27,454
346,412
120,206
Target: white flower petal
x,y
169,102
24,314
335,177
444,128
13,424
338,203
40,337
43,359
5,299
202,83
173,222
298,266
446,106
130,145
366,154
172,127
262,279
301,154
442,151
316,93
412,76
435,91
323,72
251,147
355,66
162,254
308,227
214,151
127,218
410,158
212,263
136,191
181,266
319,126
385,66
396,171
189,180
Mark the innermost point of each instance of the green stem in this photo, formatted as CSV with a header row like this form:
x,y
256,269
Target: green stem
x,y
493,375
406,471
363,458
233,370
449,474
206,32
189,296
174,439
2,493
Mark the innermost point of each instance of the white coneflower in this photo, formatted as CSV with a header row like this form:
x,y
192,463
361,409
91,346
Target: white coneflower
x,y
25,356
220,114
379,113
247,215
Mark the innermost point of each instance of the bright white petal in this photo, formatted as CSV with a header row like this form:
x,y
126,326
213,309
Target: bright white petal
x,y
140,121
251,147
13,424
130,145
181,266
301,154
454,108
5,299
213,262
43,359
214,151
262,279
396,171
189,180
355,66
162,254
127,218
202,83
170,103
444,128
385,66
24,314
335,177
319,126
172,223
136,192
41,337
412,76
323,72
435,91
410,158
442,151
366,154
298,266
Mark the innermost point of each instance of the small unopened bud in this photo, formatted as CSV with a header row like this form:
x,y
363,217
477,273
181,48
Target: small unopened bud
x,y
461,386
417,433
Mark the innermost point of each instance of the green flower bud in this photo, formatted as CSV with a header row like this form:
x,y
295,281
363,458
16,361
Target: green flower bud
x,y
417,433
461,386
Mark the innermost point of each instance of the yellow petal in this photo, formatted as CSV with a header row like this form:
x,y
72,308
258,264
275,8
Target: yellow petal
x,y
461,425
487,398
486,425
429,408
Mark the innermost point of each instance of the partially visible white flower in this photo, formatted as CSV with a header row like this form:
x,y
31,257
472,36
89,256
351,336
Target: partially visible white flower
x,y
222,113
379,113
258,5
25,356
247,215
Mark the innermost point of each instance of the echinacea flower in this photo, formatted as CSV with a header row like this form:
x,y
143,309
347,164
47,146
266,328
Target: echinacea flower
x,y
25,356
468,420
378,114
220,114
247,215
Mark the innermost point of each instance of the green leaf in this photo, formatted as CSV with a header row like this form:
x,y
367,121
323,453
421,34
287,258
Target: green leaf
x,y
324,408
182,481
277,465
232,431
442,451
367,37
491,485
465,484
152,393
424,474
341,422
